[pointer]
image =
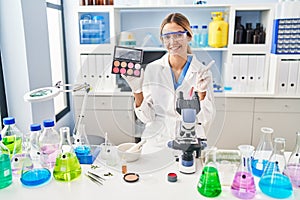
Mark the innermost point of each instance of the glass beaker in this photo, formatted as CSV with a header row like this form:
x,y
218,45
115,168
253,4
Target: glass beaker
x,y
243,185
273,182
67,166
209,184
263,151
292,169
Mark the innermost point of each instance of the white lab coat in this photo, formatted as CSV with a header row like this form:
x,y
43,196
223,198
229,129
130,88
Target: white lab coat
x,y
158,107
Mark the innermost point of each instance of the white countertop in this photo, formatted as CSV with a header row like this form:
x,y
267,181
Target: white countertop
x,y
153,184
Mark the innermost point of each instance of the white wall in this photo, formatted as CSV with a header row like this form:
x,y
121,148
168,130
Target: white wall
x,y
26,60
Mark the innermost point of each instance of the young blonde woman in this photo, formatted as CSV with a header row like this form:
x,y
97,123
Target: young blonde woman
x,y
156,91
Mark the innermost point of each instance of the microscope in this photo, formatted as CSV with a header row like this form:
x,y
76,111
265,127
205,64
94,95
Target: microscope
x,y
186,138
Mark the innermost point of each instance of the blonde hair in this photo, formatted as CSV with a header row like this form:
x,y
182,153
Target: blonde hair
x,y
180,20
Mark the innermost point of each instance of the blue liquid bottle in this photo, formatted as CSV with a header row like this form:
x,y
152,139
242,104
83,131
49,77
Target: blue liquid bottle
x,y
263,152
5,166
273,182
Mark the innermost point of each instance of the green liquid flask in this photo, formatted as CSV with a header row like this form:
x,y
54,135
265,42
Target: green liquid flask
x,y
67,166
11,136
209,184
5,166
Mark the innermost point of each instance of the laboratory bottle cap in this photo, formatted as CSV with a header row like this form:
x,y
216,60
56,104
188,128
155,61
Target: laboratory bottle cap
x,y
0,137
35,127
204,26
8,120
48,123
194,26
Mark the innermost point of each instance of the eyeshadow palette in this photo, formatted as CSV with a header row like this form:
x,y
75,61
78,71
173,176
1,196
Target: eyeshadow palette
x,y
127,61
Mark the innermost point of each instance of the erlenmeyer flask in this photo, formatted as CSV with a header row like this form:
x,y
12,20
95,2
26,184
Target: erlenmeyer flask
x,y
82,146
293,166
34,177
20,160
67,166
273,182
263,151
209,184
243,185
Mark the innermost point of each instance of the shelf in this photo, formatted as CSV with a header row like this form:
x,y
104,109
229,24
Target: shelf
x,y
96,48
249,48
254,95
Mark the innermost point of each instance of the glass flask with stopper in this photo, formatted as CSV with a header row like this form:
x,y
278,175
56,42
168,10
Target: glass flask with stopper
x,y
243,185
209,184
67,166
22,160
263,151
292,169
273,182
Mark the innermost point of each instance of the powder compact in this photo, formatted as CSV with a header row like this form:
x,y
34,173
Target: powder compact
x,y
127,61
131,177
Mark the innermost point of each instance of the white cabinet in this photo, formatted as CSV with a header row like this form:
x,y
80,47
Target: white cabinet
x,y
283,115
233,123
108,113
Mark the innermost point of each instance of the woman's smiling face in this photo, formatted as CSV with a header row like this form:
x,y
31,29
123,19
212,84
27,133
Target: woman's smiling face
x,y
175,38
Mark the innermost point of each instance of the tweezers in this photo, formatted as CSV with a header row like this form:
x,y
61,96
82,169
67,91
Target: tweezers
x,y
96,176
94,179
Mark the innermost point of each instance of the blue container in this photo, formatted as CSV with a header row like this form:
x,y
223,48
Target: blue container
x,y
92,29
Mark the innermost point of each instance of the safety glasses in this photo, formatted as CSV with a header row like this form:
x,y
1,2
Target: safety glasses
x,y
176,36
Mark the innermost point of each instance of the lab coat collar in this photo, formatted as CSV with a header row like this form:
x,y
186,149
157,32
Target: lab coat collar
x,y
194,66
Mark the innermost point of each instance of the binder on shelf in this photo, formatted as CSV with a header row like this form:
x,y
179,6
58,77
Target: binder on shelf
x,y
252,62
260,81
243,73
109,79
236,74
92,69
283,73
84,67
293,76
298,79
227,76
100,72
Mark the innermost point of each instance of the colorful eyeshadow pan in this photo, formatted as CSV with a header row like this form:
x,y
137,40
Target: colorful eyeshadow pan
x,y
127,61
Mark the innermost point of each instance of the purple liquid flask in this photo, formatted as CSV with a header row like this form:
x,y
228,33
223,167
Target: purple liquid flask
x,y
243,185
292,169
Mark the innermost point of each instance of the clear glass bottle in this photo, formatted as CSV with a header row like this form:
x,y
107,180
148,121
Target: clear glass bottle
x,y
35,132
292,169
263,151
243,185
67,166
194,43
49,144
11,136
5,166
203,40
273,182
209,184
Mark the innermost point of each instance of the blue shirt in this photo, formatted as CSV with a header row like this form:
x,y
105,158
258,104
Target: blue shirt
x,y
182,74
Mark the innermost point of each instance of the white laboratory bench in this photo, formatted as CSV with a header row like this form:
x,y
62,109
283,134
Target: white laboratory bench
x,y
152,184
